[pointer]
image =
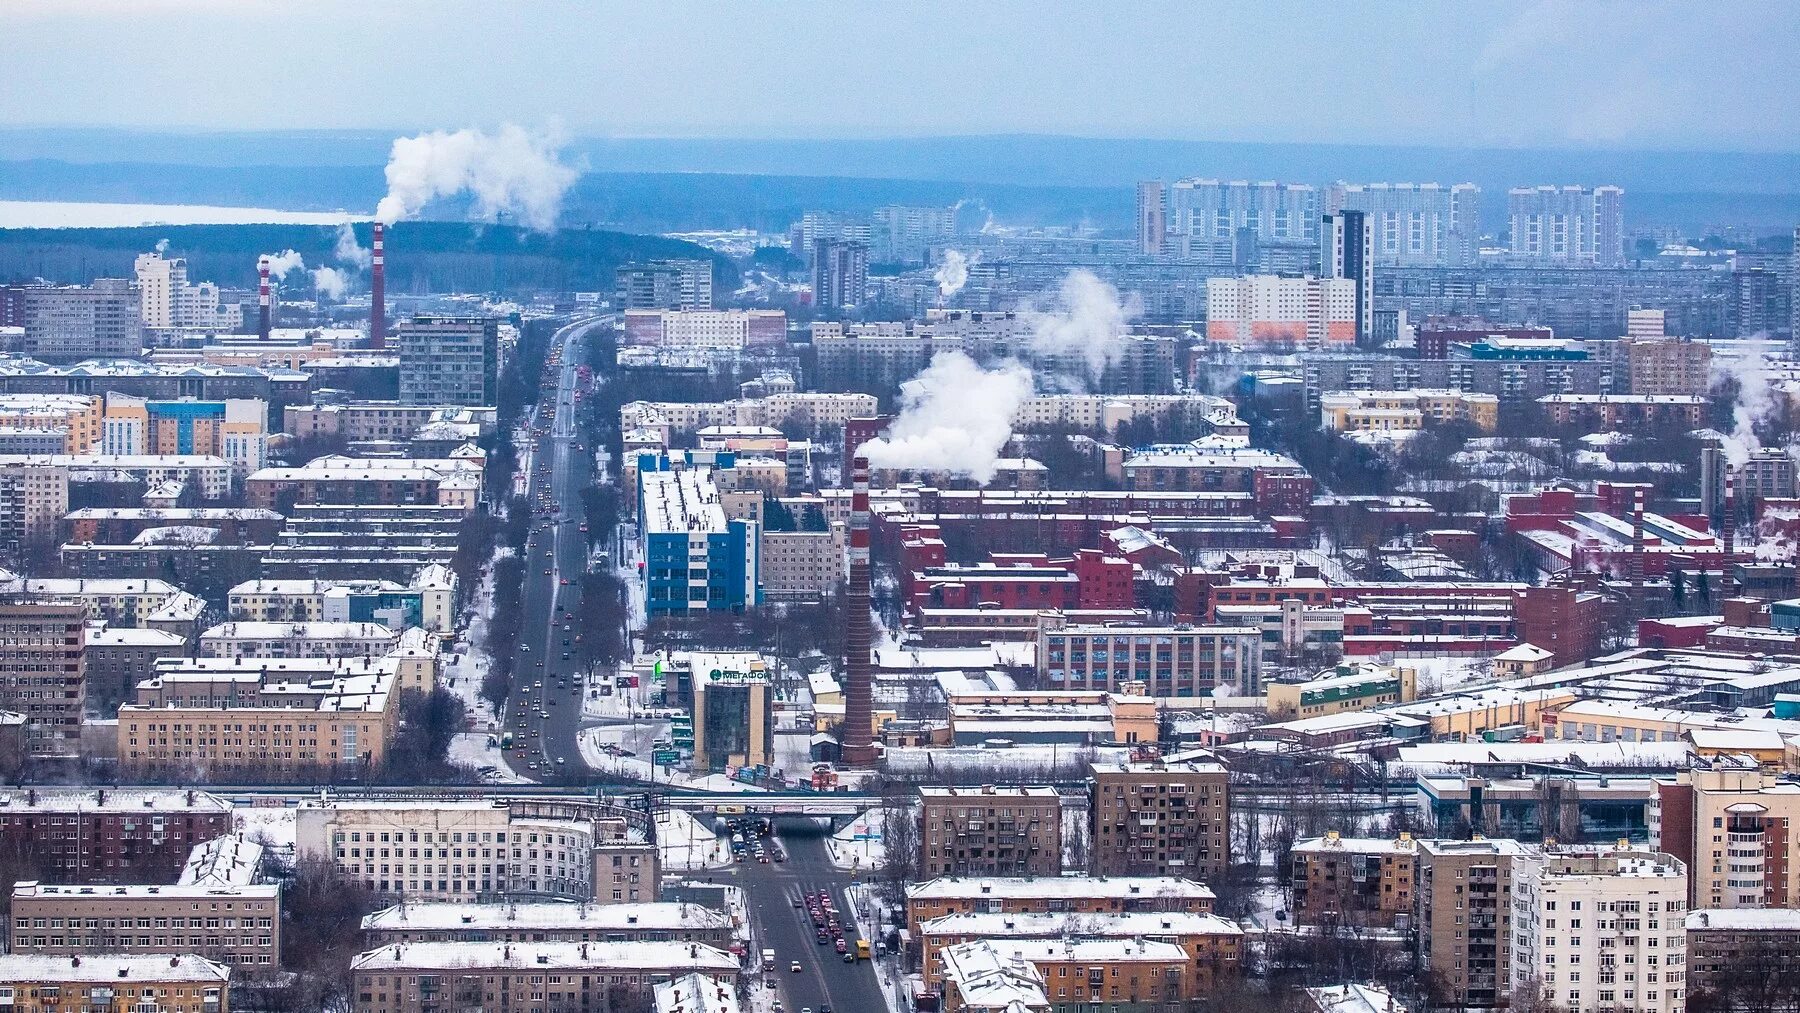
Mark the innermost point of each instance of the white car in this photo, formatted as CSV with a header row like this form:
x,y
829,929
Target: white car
x,y
794,967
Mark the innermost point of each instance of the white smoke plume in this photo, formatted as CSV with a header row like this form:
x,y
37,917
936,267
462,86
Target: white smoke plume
x,y
349,251
162,247
1756,401
955,417
953,273
511,171
330,282
280,264
1089,320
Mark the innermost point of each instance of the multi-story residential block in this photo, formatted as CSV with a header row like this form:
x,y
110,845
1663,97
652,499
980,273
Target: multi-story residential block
x,y
1078,972
1161,816
237,714
237,925
101,835
665,284
708,328
1203,414
1597,929
1768,473
43,672
902,234
178,983
1567,225
169,302
990,831
118,525
1664,365
348,542
1077,894
320,639
100,321
478,849
1278,481
427,601
72,420
1464,921
358,421
804,564
1215,220
548,921
840,274
1267,309
236,429
1356,881
1632,411
34,493
448,360
500,977
449,482
1170,661
695,558
809,410
1214,946
1376,410
1152,217
1415,224
1729,825
208,474
117,657
1732,949
1347,250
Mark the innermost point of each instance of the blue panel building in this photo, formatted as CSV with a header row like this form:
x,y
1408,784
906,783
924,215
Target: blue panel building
x,y
694,558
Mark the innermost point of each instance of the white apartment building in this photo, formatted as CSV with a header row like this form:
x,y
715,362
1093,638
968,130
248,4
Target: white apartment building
x,y
710,329
1268,309
443,849
167,300
1567,225
34,495
1205,215
298,640
1601,929
1105,413
1415,224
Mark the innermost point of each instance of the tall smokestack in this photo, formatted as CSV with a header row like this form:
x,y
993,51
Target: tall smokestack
x,y
859,637
378,291
1637,545
264,316
1728,534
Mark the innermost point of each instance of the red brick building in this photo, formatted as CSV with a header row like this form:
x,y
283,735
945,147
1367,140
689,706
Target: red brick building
x,y
101,835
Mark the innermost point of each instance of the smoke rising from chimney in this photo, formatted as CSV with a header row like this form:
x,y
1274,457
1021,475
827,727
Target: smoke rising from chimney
x,y
162,247
510,171
349,251
281,264
1756,401
953,273
1088,320
954,417
330,282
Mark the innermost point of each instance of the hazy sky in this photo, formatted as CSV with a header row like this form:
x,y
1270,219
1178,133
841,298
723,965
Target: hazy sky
x,y
1692,75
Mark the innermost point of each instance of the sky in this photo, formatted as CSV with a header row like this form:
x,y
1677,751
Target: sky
x,y
1590,74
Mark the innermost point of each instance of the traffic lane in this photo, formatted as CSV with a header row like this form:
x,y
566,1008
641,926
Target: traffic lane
x,y
779,926
772,890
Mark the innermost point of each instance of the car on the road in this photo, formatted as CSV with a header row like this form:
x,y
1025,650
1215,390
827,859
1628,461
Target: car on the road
x,y
841,947
794,967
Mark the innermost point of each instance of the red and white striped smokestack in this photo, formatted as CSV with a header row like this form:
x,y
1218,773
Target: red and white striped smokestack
x,y
1637,544
378,290
264,314
1728,535
859,634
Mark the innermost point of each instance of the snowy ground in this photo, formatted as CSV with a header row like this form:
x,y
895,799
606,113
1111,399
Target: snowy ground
x,y
871,915
1448,674
463,676
1074,836
858,846
686,844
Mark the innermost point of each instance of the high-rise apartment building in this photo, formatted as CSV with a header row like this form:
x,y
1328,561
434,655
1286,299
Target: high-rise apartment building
x,y
990,831
1356,881
1465,911
1216,220
1645,323
840,274
1152,217
449,360
98,321
236,429
1601,929
43,672
1663,366
1730,826
1346,250
1161,816
1415,224
665,285
167,300
903,234
34,494
1265,309
1567,225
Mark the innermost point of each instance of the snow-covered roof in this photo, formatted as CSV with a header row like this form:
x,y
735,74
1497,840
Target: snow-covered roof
x,y
658,955
542,915
1033,887
111,968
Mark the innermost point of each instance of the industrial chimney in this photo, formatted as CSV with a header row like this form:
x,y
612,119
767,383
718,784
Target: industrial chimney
x,y
378,291
264,316
859,638
1728,535
1637,545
